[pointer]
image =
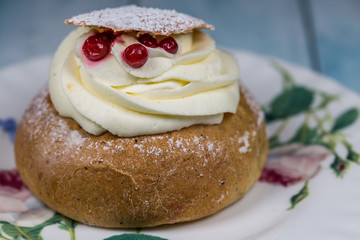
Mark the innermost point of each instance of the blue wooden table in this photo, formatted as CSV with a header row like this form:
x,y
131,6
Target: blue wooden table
x,y
320,34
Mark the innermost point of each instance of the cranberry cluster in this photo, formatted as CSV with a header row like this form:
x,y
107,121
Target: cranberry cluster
x,y
97,46
168,44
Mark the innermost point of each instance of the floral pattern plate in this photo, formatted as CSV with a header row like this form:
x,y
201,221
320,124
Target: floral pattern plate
x,y
308,189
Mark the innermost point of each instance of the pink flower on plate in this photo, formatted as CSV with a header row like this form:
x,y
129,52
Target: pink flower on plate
x,y
17,204
293,163
13,192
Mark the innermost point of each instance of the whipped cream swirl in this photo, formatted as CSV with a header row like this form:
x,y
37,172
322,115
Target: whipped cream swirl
x,y
197,85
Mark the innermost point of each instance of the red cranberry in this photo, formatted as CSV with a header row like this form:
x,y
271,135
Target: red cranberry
x,y
97,46
169,44
135,55
148,40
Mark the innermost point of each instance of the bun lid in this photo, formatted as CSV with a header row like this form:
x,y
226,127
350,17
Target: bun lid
x,y
134,18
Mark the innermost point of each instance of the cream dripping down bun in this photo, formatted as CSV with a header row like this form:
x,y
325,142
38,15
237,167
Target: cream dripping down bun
x,y
138,71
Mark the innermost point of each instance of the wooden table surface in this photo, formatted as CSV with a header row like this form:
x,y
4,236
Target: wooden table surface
x,y
320,34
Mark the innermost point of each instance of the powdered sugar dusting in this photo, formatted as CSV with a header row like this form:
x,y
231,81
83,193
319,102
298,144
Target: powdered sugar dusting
x,y
210,146
254,106
133,18
75,138
61,133
35,118
245,141
222,197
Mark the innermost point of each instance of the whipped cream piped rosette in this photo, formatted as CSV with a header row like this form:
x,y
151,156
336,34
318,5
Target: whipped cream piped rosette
x,y
151,73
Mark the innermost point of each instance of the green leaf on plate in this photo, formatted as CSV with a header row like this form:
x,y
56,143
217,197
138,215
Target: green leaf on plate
x,y
291,102
31,233
268,117
288,80
22,232
304,192
326,99
274,142
352,155
345,119
57,218
134,236
305,135
340,166
69,225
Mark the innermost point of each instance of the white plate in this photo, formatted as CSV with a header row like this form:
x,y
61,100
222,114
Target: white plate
x,y
331,211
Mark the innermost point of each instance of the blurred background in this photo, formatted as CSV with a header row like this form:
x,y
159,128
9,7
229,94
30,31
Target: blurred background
x,y
323,35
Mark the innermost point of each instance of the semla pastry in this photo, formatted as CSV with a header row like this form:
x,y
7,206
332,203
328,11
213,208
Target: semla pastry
x,y
143,123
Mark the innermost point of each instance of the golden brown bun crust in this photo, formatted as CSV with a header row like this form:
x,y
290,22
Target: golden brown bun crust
x,y
141,181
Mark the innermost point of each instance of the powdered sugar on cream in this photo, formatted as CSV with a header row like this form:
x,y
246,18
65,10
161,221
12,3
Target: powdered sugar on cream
x,y
133,18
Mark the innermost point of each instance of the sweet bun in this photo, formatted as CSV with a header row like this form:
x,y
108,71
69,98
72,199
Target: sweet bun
x,y
143,181
143,123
